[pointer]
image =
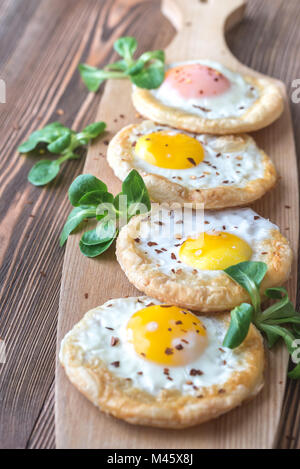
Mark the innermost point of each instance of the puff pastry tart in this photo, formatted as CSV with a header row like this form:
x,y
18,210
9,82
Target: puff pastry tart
x,y
160,365
205,96
178,256
219,171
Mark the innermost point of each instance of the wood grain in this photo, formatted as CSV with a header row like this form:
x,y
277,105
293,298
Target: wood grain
x,y
103,278
41,78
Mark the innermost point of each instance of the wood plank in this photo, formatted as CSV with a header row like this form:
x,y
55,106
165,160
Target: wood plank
x,y
31,218
102,278
42,78
41,434
274,50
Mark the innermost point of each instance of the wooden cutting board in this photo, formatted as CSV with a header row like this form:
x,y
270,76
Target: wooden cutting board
x,y
88,283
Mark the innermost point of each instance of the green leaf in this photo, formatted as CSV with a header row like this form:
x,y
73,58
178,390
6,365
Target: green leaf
x,y
91,200
295,373
74,219
96,197
276,293
92,131
61,140
126,46
43,172
104,232
147,72
28,146
59,145
120,65
284,320
272,337
158,55
106,229
296,330
48,134
279,310
91,238
249,275
94,251
241,317
137,194
120,210
92,76
135,68
256,271
82,185
275,332
150,77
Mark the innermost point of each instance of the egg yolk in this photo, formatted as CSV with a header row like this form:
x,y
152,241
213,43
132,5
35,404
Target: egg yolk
x,y
215,251
167,335
196,81
178,151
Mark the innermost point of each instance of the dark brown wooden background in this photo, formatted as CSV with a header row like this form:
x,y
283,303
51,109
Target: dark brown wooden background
x,y
41,44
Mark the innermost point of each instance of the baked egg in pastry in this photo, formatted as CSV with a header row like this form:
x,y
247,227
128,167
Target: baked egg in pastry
x,y
219,171
205,96
178,256
160,365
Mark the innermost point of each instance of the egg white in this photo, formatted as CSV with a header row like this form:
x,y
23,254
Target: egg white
x,y
233,103
230,168
166,229
110,320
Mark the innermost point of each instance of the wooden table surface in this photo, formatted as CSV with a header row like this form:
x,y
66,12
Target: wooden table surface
x,y
41,44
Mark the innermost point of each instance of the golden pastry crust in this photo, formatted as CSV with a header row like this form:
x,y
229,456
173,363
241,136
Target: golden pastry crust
x,y
120,156
192,291
170,409
265,110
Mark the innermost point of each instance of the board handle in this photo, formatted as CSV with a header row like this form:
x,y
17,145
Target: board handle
x,y
201,23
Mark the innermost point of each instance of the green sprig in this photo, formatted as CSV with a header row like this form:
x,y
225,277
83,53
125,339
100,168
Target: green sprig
x,y
148,71
60,140
87,193
270,321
